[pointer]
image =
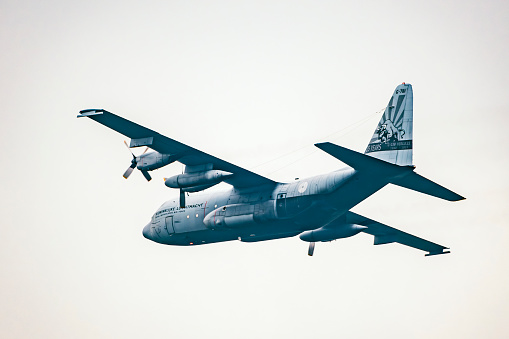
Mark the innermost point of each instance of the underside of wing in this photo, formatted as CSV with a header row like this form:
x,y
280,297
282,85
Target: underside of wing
x,y
385,234
187,155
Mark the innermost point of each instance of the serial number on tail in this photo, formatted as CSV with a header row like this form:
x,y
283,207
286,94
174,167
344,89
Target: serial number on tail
x,y
389,146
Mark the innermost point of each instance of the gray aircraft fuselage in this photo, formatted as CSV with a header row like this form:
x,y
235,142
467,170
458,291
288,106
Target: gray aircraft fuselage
x,y
261,213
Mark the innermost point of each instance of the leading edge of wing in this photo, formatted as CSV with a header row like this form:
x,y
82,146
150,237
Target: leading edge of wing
x,y
187,155
385,234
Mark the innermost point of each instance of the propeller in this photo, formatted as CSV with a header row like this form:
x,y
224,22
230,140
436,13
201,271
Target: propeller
x,y
311,248
146,175
134,163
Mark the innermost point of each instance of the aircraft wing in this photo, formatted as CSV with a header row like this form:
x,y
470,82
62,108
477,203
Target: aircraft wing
x,y
189,156
385,234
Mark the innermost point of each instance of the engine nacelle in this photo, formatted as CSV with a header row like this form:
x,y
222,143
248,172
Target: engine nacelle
x,y
200,188
331,233
154,160
200,179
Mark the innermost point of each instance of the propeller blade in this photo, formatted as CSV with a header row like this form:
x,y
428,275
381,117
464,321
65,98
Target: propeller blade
x,y
126,145
182,199
128,172
145,151
311,249
146,175
134,162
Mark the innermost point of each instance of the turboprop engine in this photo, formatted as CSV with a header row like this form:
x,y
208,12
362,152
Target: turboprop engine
x,y
148,162
329,233
153,160
195,182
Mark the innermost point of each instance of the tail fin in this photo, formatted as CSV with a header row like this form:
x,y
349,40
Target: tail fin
x,y
392,140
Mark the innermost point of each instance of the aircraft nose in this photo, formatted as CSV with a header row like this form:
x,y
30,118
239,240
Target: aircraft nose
x,y
147,231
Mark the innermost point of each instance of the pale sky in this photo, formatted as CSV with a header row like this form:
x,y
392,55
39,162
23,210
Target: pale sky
x,y
249,82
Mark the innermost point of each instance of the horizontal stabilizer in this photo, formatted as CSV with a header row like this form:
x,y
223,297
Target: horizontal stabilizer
x,y
362,162
403,176
385,234
419,183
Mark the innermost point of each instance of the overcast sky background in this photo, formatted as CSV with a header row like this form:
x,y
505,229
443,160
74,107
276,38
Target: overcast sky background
x,y
249,82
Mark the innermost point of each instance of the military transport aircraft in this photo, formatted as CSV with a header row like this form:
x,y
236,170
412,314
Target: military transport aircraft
x,y
256,208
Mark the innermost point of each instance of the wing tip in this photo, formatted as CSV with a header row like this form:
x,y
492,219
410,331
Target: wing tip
x,y
455,197
438,252
90,111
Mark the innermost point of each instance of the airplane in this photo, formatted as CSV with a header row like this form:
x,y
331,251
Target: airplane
x,y
257,208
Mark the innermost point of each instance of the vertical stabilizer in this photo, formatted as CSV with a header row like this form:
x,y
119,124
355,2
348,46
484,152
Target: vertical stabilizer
x,y
392,140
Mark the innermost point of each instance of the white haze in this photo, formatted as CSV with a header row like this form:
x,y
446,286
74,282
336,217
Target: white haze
x,y
249,82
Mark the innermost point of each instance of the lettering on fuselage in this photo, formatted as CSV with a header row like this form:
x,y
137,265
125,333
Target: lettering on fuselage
x,y
173,210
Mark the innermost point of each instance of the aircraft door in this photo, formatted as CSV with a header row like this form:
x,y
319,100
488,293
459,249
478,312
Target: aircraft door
x,y
281,205
168,226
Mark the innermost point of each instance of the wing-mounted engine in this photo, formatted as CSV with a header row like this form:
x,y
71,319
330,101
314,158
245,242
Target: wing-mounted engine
x,y
330,232
195,179
154,160
195,182
148,161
